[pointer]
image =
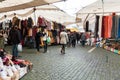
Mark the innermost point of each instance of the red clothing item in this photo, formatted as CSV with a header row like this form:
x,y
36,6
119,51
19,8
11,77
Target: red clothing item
x,y
106,27
39,21
25,22
34,31
109,26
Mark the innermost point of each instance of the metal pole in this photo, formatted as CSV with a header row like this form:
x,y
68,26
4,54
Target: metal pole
x,y
35,15
103,6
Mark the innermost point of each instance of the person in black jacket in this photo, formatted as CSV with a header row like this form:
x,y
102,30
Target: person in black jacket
x,y
15,40
38,40
73,39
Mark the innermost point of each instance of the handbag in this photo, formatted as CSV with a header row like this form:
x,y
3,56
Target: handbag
x,y
19,47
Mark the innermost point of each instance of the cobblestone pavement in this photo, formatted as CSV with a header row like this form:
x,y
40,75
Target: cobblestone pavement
x,y
76,64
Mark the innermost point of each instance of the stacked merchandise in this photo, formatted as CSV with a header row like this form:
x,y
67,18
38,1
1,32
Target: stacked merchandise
x,y
107,27
112,45
11,68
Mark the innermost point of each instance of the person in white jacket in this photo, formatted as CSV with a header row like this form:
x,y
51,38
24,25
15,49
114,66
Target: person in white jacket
x,y
45,36
63,40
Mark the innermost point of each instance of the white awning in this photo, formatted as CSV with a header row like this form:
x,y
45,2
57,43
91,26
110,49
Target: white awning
x,y
49,12
99,7
11,5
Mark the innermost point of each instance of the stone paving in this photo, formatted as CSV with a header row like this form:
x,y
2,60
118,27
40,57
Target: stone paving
x,y
76,64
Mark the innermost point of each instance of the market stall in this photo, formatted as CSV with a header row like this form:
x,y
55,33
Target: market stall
x,y
10,67
103,20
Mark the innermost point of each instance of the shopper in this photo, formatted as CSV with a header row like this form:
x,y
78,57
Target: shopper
x,y
45,35
69,39
73,39
15,40
63,40
77,37
83,39
38,40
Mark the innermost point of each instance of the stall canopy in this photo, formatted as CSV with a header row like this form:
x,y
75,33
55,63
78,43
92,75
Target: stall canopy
x,y
10,5
49,12
55,14
99,7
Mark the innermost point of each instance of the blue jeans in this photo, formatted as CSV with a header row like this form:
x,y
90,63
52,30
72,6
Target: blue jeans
x,y
15,50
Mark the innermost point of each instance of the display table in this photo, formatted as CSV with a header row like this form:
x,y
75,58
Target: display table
x,y
112,50
12,68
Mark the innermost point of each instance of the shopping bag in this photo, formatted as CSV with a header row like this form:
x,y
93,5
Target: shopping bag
x,y
19,47
48,40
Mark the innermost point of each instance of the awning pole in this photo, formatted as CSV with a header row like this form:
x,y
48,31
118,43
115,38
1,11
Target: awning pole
x,y
103,6
34,9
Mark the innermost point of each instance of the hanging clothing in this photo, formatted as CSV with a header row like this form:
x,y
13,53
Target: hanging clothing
x,y
48,25
119,28
106,26
39,21
60,26
34,31
100,26
42,22
103,30
109,26
87,26
30,22
114,32
117,23
97,26
25,23
55,25
113,27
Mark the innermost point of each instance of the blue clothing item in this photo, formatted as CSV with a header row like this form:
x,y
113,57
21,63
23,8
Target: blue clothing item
x,y
118,36
15,50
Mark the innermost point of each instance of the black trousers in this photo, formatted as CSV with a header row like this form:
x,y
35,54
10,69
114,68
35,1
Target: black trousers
x,y
45,46
38,46
73,43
